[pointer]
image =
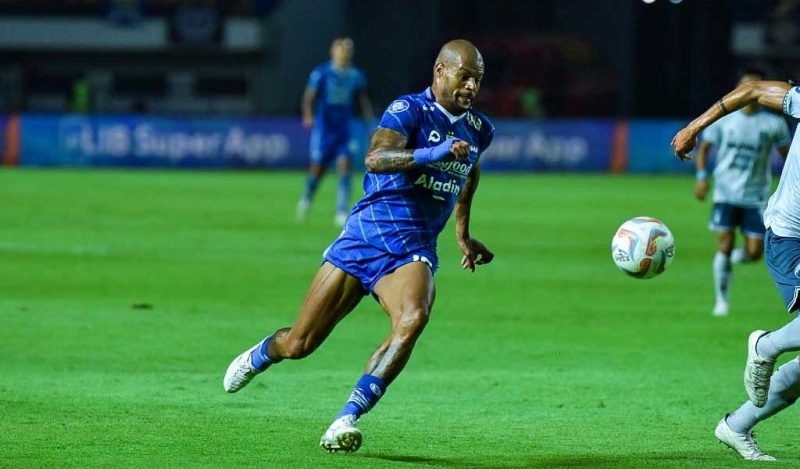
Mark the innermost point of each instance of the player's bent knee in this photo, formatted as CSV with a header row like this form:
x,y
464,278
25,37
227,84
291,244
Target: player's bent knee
x,y
411,323
317,171
754,253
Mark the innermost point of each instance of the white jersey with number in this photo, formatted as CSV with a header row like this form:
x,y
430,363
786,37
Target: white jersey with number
x,y
744,144
783,211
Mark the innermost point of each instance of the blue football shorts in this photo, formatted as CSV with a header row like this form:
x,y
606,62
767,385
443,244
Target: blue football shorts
x,y
370,264
326,145
728,217
782,256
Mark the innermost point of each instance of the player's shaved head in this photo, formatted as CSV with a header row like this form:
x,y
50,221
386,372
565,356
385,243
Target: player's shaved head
x,y
457,75
460,52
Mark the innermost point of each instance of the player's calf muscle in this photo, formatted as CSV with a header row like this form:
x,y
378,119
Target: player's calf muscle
x,y
296,347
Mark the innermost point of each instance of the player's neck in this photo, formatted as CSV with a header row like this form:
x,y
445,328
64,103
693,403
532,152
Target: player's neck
x,y
446,106
339,65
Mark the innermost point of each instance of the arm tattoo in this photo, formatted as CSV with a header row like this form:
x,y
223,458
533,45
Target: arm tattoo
x,y
388,154
389,160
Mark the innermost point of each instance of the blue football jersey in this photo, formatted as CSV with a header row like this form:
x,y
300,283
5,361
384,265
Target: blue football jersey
x,y
336,91
405,211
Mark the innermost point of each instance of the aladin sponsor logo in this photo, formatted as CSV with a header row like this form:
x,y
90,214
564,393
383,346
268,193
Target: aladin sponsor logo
x,y
431,183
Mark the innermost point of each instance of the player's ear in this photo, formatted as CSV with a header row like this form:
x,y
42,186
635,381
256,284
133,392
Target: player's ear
x,y
439,69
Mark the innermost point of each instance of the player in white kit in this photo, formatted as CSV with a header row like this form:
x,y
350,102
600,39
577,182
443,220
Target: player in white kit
x,y
769,393
742,178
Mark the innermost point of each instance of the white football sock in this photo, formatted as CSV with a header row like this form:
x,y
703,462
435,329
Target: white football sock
x,y
722,276
784,389
785,339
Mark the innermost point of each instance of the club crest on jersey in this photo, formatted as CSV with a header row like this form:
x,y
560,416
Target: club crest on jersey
x,y
434,137
398,106
473,121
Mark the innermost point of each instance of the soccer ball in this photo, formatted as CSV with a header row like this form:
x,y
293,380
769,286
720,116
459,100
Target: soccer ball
x,y
643,247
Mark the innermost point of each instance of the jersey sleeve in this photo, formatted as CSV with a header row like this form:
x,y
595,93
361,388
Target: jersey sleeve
x,y
712,134
314,79
791,102
487,137
782,137
400,116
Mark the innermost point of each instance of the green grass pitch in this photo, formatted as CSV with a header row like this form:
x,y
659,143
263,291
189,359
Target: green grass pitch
x,y
124,295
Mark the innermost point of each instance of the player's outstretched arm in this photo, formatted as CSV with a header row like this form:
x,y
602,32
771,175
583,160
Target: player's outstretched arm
x,y
388,153
769,94
474,252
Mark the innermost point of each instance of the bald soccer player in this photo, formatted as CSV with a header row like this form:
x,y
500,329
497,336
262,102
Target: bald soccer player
x,y
422,165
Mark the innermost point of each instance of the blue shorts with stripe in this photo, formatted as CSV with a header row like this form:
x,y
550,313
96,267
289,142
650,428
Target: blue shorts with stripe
x,y
326,145
728,217
782,256
370,264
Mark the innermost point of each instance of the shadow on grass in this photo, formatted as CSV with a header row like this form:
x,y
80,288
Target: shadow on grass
x,y
681,459
413,459
676,459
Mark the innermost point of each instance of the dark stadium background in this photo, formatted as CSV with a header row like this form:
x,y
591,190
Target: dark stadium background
x,y
605,58
129,278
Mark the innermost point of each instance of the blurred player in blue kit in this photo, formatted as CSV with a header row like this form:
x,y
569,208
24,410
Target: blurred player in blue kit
x,y
768,392
742,180
422,166
327,110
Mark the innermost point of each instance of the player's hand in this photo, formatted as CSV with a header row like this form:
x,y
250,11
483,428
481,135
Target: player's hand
x,y
450,148
701,189
308,121
460,150
475,253
684,142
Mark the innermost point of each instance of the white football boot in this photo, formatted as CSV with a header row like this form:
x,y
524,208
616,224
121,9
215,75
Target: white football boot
x,y
342,435
720,309
240,372
743,443
757,371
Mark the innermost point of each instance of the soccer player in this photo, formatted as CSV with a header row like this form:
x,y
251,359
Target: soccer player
x,y
769,393
742,180
422,165
332,89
